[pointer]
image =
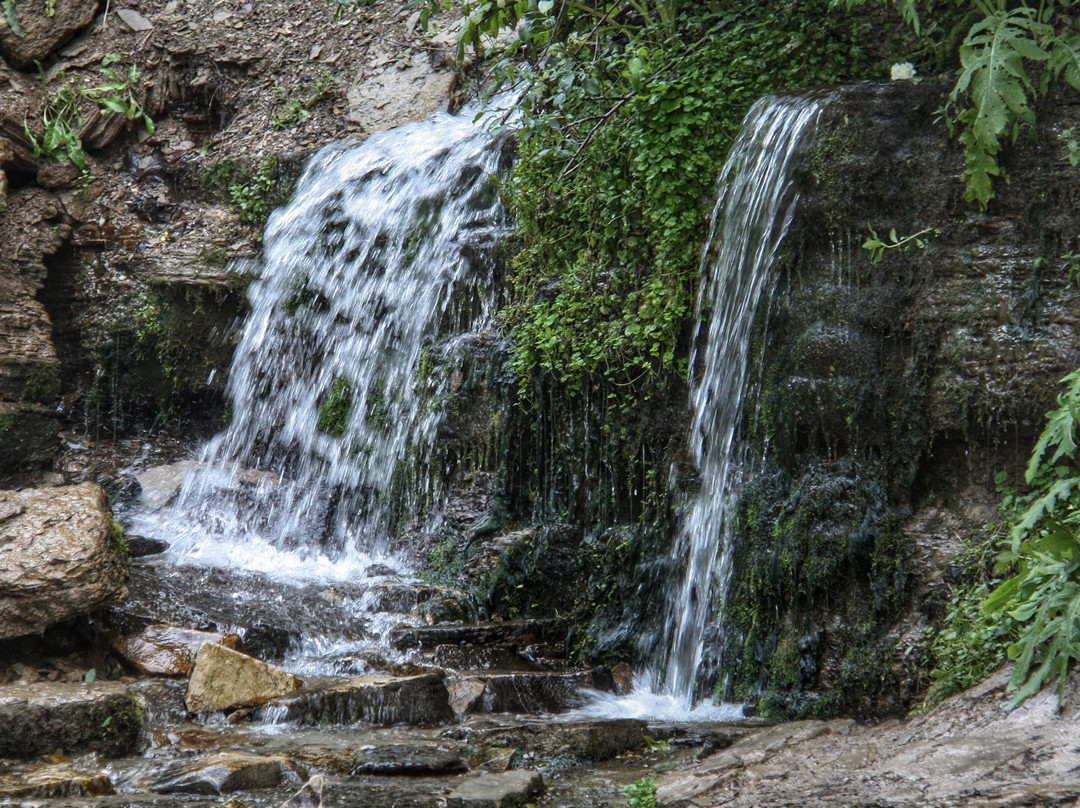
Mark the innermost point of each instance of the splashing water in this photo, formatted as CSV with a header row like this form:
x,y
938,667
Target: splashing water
x,y
756,199
383,252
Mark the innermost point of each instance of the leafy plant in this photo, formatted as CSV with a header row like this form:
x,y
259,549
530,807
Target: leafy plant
x,y
117,94
253,199
641,794
1066,137
11,15
298,110
877,247
1043,594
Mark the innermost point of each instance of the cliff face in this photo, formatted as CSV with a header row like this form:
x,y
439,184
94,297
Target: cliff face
x,y
890,394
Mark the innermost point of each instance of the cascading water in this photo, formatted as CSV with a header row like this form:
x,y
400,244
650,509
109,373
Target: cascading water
x,y
756,199
380,253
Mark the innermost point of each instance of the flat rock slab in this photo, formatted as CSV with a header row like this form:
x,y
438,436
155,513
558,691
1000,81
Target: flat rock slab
x,y
226,772
591,739
48,717
527,693
223,679
168,650
55,782
420,700
500,790
57,558
407,759
518,632
384,792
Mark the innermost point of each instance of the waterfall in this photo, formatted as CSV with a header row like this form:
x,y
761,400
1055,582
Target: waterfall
x,y
756,199
383,252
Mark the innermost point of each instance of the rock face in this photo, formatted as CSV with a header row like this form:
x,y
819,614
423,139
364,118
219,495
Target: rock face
x,y
227,772
889,396
46,717
224,679
57,557
381,700
56,782
502,790
43,31
168,650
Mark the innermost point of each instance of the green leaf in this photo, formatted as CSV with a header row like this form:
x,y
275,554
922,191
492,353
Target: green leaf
x,y
12,17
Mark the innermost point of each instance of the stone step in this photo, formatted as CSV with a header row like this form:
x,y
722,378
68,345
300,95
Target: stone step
x,y
542,656
226,772
420,700
593,739
517,632
48,717
497,790
532,693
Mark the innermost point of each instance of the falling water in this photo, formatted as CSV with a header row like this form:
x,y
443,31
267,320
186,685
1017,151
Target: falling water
x,y
756,198
384,250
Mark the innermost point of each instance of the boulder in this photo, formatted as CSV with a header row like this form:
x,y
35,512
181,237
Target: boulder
x,y
397,91
58,557
43,32
47,717
528,692
310,796
420,700
226,772
159,485
499,790
223,679
55,782
168,650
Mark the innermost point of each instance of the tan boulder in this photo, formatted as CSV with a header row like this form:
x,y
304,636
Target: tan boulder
x,y
168,650
57,557
223,679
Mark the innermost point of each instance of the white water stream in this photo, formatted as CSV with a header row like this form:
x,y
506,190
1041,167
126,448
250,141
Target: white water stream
x,y
756,196
379,257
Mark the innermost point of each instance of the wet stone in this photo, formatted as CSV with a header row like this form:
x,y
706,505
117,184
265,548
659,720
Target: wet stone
x,y
420,700
55,782
498,790
531,693
407,759
224,679
46,717
591,739
168,650
382,792
226,772
521,632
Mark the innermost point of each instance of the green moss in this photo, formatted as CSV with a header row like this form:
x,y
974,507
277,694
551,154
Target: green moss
x,y
117,541
335,408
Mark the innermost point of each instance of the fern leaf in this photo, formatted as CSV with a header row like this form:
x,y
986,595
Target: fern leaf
x,y
12,17
1060,429
1064,59
994,76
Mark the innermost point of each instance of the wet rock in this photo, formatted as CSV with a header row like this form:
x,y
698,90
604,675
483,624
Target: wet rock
x,y
590,739
466,695
398,93
55,782
534,692
623,677
57,558
223,679
46,717
168,650
226,772
407,759
513,658
498,790
380,792
420,700
310,796
159,485
44,32
141,546
522,632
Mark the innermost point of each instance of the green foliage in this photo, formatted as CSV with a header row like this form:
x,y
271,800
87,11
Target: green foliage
x,y
349,5
254,198
624,132
11,15
298,110
877,247
117,541
641,794
62,117
335,408
1043,594
1070,143
971,642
